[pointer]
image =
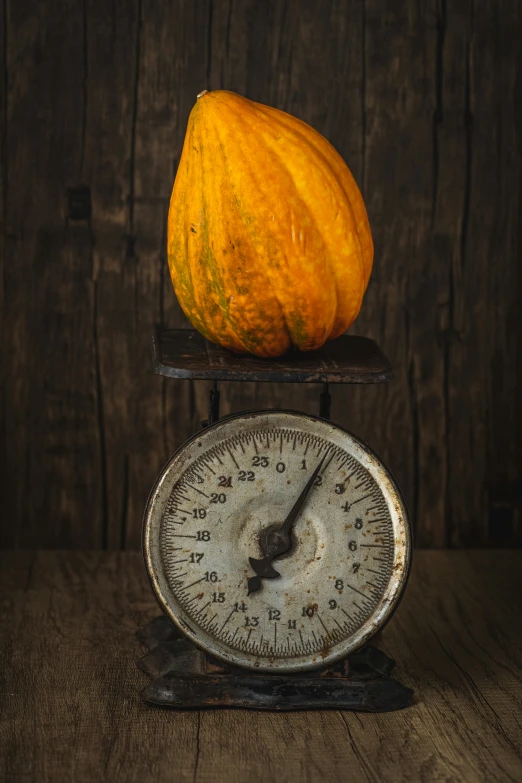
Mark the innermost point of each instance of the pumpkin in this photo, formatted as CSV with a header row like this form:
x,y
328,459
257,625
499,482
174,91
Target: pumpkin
x,y
269,244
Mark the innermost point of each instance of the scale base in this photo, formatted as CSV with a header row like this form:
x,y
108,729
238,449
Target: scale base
x,y
184,677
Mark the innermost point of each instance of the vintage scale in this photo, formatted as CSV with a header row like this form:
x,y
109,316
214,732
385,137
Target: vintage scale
x,y
276,543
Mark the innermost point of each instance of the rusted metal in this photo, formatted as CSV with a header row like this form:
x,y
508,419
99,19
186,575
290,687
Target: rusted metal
x,y
184,677
329,584
184,353
325,403
213,406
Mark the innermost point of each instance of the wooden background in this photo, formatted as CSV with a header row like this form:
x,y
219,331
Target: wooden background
x,y
424,101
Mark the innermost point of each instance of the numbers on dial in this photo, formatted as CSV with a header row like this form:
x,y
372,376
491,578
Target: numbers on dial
x,y
210,576
203,535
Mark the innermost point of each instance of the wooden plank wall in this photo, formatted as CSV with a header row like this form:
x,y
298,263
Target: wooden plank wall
x,y
423,100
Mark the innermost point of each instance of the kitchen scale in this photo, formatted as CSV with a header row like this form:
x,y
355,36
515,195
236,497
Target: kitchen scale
x,y
276,543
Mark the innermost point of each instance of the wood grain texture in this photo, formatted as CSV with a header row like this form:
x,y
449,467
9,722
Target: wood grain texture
x,y
70,688
423,101
51,443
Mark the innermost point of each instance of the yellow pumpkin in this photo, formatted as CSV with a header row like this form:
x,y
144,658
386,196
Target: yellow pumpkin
x,y
269,244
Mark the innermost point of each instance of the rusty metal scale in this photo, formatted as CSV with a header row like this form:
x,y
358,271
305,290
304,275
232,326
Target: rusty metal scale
x,y
276,543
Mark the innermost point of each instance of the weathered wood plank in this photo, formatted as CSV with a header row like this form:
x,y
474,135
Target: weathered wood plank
x,y
173,68
420,100
111,39
484,363
401,304
3,206
71,709
430,299
51,489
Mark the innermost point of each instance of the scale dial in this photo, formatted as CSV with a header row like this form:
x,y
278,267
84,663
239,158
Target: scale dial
x,y
216,507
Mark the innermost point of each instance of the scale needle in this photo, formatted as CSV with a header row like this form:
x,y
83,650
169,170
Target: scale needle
x,y
278,541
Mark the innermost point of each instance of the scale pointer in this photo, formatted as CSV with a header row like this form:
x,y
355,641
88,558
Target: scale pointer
x,y
278,541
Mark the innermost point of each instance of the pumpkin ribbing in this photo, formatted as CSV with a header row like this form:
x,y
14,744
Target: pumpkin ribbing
x,y
268,240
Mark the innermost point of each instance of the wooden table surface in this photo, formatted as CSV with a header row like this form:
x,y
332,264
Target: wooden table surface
x,y
71,711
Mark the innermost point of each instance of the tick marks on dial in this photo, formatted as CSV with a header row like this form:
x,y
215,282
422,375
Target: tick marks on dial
x,y
188,499
228,618
197,490
203,579
355,589
375,546
360,499
324,626
224,550
233,458
373,571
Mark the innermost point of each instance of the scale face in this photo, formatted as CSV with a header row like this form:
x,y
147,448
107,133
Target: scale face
x,y
277,541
